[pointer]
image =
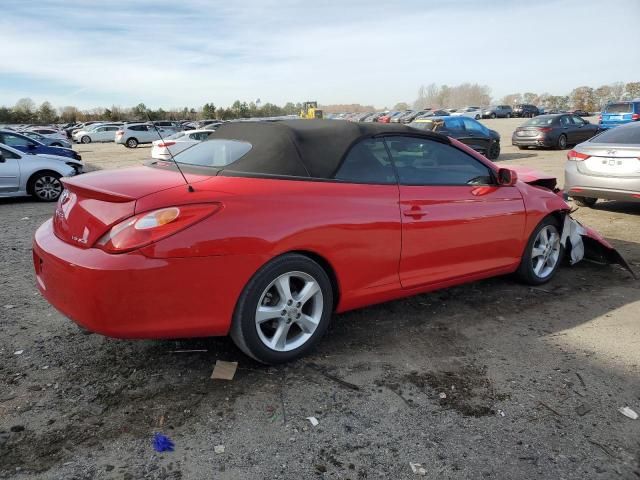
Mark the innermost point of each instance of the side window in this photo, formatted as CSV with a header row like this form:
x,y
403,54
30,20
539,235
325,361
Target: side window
x,y
8,154
577,120
15,141
564,121
367,162
421,161
112,129
101,129
475,127
454,125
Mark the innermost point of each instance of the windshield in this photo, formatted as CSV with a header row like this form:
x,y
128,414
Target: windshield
x,y
214,153
619,108
535,121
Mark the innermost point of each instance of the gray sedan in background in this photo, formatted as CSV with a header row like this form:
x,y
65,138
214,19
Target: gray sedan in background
x,y
48,141
606,166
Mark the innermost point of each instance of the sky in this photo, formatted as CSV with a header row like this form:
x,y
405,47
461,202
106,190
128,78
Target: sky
x,y
169,53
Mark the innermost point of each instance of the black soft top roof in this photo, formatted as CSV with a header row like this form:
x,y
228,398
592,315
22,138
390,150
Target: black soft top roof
x,y
302,148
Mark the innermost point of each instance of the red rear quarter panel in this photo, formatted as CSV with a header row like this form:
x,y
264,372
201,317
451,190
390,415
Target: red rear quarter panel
x,y
355,228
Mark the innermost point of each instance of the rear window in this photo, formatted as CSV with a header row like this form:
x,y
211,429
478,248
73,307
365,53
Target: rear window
x,y
214,153
536,121
623,135
619,108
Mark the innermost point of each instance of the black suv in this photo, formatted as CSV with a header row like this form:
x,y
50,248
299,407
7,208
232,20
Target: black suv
x,y
525,111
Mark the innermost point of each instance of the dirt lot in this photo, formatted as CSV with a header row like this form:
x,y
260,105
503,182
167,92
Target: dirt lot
x,y
533,378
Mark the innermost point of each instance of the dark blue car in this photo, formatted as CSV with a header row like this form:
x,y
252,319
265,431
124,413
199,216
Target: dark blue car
x,y
29,145
619,113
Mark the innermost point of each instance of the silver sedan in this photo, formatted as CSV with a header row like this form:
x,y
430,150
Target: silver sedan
x,y
23,174
606,166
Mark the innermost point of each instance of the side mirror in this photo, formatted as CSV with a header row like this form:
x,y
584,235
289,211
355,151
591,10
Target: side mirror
x,y
507,178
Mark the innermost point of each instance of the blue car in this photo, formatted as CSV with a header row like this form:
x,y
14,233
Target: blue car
x,y
29,145
619,113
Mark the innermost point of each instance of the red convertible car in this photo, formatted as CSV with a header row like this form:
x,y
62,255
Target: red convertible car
x,y
276,225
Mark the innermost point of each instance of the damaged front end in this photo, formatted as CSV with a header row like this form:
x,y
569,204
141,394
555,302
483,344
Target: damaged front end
x,y
585,242
579,242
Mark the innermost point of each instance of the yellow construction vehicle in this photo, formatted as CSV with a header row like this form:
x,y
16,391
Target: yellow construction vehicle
x,y
310,110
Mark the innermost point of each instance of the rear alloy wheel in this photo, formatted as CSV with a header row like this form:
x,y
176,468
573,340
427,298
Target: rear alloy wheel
x,y
585,201
562,142
86,139
132,143
493,115
284,310
543,253
46,186
477,117
494,151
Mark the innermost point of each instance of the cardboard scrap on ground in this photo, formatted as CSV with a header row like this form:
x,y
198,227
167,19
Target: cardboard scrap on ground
x,y
418,469
224,370
313,420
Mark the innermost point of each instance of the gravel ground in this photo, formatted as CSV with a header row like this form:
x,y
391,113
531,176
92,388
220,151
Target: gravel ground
x,y
488,380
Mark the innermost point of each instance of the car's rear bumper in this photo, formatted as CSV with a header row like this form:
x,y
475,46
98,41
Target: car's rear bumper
x,y
578,184
532,141
133,296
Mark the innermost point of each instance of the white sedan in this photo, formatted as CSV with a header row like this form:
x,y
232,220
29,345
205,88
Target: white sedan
x,y
472,112
99,133
178,142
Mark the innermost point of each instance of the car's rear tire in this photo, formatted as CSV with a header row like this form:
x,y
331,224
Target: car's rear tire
x,y
585,201
561,144
493,115
131,143
543,253
477,117
45,186
86,139
508,115
284,310
494,151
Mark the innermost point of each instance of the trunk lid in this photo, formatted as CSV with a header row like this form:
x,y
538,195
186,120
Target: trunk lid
x,y
94,202
611,161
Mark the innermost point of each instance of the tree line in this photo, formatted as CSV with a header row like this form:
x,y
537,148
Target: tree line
x,y
582,98
429,96
25,111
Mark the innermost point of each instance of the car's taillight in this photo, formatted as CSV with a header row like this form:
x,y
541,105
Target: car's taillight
x,y
545,129
599,118
166,144
148,227
576,156
120,132
635,116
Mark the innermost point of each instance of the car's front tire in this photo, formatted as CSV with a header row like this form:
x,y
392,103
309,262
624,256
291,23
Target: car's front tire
x,y
131,143
284,310
543,253
585,201
86,139
493,115
45,186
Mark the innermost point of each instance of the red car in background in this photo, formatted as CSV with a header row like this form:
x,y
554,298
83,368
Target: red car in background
x,y
276,225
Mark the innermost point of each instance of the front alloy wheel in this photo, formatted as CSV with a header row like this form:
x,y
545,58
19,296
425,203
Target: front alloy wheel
x,y
47,187
543,253
284,310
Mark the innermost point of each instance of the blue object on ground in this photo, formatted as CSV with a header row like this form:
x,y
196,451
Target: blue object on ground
x,y
162,443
